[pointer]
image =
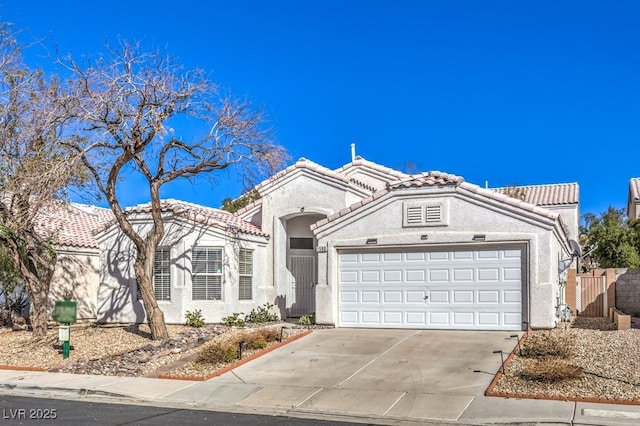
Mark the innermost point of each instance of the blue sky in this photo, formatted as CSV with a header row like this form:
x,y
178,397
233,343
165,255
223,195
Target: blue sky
x,y
509,92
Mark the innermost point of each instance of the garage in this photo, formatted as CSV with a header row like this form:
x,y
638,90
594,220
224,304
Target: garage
x,y
465,288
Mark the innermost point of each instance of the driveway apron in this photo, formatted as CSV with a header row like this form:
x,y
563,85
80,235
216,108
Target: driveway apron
x,y
417,374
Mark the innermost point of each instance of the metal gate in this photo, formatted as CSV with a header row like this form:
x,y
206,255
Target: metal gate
x,y
302,288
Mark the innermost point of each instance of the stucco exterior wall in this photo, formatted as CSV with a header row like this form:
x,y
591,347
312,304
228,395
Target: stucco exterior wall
x,y
467,217
570,216
300,195
77,273
117,297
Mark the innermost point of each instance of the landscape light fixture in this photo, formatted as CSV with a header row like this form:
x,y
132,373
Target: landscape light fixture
x,y
501,358
515,336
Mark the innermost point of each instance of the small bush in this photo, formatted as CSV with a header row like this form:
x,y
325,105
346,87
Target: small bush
x,y
195,318
547,344
309,319
233,320
217,353
262,314
270,334
550,370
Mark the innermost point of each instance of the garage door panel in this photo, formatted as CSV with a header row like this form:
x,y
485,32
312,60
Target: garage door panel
x,y
416,318
348,277
488,274
415,296
465,275
349,296
371,317
466,319
488,296
392,296
438,275
393,276
462,297
393,317
512,296
466,289
439,296
370,297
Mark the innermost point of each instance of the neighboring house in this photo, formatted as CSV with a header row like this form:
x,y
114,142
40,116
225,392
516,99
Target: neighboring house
x,y
361,246
633,199
77,271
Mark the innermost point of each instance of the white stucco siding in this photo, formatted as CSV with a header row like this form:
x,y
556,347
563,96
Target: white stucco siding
x,y
117,297
570,216
467,216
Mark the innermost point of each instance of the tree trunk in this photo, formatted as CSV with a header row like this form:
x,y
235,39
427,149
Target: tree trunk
x,y
39,315
155,316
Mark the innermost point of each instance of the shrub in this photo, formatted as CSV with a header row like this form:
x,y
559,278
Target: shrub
x,y
550,370
262,314
309,319
195,318
270,334
217,353
233,320
547,344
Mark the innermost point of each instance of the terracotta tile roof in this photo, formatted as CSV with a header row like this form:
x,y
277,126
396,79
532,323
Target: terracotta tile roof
x,y
547,195
634,189
427,179
209,216
303,164
355,165
73,224
436,178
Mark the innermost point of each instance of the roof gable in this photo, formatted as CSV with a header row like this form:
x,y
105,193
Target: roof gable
x,y
203,215
440,179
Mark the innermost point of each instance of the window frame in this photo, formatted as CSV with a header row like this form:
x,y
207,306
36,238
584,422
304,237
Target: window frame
x,y
207,287
246,274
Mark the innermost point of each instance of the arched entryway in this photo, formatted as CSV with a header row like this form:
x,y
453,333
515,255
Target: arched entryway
x,y
302,264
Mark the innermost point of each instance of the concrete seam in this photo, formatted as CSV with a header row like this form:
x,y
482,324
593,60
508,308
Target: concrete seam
x,y
376,358
308,398
394,404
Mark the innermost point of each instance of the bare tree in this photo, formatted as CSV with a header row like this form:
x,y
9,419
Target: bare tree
x,y
128,101
35,168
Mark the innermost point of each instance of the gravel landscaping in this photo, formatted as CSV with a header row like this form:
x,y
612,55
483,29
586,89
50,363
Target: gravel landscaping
x,y
118,350
608,359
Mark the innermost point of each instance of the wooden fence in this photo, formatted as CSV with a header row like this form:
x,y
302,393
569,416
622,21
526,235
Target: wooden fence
x,y
591,294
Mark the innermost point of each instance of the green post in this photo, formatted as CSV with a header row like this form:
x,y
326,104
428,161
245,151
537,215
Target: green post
x,y
66,345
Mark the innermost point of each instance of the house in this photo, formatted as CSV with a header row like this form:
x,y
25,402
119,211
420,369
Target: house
x,y
633,199
361,246
209,259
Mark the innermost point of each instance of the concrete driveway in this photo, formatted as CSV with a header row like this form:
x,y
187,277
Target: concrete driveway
x,y
402,374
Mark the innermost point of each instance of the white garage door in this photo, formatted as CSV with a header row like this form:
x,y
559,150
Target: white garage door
x,y
467,289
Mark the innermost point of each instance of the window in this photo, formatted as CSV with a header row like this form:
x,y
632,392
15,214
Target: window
x,y
161,279
206,264
301,243
245,269
162,274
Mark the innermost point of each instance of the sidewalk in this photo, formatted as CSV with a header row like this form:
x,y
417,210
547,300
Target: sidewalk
x,y
376,379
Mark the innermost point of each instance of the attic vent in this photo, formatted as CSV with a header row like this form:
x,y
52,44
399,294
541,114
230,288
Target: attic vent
x,y
414,215
431,213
